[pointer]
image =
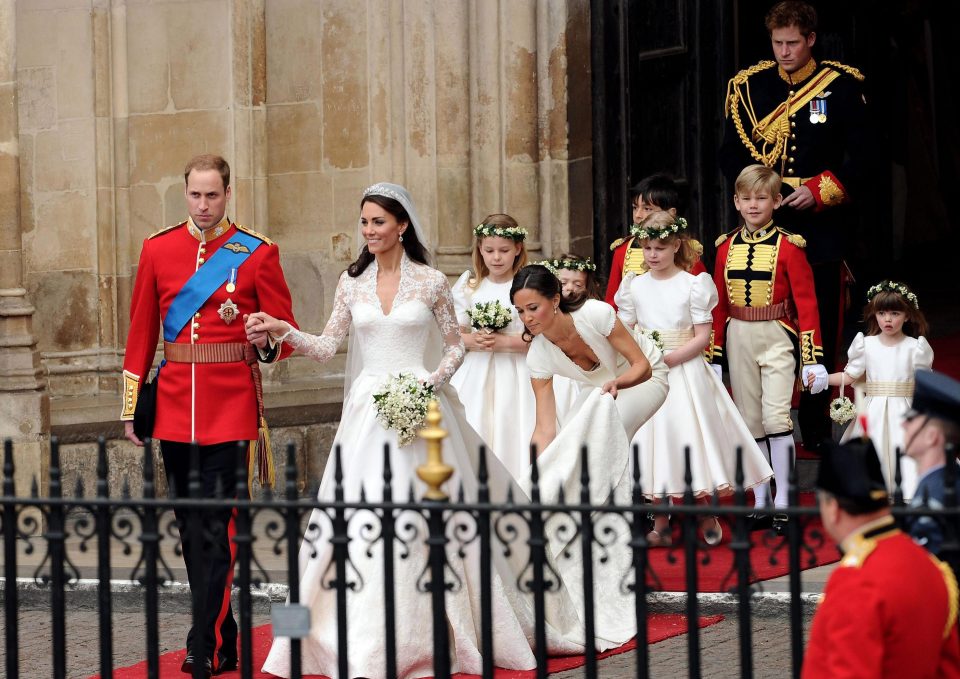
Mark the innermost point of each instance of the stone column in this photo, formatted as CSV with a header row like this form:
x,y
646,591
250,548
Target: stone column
x,y
24,404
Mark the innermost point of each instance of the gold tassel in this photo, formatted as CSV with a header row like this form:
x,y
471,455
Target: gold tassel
x,y
261,459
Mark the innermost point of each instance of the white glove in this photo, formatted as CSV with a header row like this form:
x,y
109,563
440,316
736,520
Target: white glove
x,y
717,368
819,377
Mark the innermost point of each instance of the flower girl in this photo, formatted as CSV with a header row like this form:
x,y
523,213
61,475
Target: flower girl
x,y
887,358
493,383
673,307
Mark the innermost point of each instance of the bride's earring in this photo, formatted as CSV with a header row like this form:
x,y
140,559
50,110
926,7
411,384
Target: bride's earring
x,y
401,237
555,311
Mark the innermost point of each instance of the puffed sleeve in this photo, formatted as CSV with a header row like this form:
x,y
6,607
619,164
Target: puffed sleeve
x,y
600,315
462,295
538,361
856,357
923,355
623,300
323,347
703,299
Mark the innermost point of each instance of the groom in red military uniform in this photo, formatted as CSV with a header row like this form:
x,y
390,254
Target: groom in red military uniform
x,y
890,608
195,281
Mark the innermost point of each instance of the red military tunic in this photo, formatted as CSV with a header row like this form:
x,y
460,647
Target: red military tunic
x,y
204,402
889,610
766,269
627,259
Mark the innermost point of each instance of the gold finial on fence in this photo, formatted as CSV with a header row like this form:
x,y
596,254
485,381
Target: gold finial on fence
x,y
434,473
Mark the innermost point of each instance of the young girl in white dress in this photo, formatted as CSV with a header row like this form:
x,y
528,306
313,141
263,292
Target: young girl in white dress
x,y
884,363
397,309
674,307
493,383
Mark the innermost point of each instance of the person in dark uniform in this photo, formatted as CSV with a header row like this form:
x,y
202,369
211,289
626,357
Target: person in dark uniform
x,y
889,608
805,119
196,281
931,431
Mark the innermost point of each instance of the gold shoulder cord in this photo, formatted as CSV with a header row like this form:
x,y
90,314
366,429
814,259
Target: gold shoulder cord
x,y
849,70
766,156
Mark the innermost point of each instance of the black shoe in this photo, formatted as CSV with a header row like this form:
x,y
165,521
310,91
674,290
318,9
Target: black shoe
x,y
780,522
759,520
190,660
227,663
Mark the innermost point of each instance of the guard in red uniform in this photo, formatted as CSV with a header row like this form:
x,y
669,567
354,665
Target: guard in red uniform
x,y
766,323
196,281
890,608
653,194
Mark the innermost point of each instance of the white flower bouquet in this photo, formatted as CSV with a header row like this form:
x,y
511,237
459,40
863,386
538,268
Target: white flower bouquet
x,y
402,406
654,337
491,316
842,409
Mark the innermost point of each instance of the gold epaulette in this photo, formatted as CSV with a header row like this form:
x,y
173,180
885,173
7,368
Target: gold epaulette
x,y
858,552
696,246
724,236
255,234
950,581
164,230
620,241
741,78
849,70
794,238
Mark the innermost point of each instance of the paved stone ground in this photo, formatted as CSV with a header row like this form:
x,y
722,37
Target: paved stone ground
x,y
719,646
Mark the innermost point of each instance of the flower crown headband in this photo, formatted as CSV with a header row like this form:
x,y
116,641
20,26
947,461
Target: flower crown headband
x,y
654,232
514,233
893,286
556,265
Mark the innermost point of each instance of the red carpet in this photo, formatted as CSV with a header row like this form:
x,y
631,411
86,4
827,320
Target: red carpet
x,y
769,558
660,626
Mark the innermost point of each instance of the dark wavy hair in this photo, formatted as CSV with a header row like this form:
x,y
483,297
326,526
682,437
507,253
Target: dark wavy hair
x,y
540,279
914,324
414,248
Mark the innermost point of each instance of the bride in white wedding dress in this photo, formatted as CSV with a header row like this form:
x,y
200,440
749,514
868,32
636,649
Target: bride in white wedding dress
x,y
393,304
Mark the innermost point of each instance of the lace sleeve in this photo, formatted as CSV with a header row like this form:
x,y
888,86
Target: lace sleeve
x,y
323,347
443,311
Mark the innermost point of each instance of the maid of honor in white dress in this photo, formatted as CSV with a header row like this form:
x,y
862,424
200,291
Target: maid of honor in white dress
x,y
675,306
884,363
493,383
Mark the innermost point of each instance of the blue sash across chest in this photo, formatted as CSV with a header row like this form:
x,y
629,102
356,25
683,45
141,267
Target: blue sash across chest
x,y
205,281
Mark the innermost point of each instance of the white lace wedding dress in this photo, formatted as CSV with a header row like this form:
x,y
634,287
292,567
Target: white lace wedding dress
x,y
390,343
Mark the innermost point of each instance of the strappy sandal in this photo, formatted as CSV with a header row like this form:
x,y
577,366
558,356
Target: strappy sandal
x,y
658,539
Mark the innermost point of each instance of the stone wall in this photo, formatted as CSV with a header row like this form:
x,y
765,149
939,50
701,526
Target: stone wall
x,y
477,106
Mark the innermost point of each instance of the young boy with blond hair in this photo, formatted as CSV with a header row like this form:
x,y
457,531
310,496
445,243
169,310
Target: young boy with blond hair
x,y
766,324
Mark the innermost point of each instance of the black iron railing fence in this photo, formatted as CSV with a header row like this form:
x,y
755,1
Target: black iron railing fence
x,y
53,529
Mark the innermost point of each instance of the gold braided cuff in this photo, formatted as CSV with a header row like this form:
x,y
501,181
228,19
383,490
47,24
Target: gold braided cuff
x,y
810,353
131,389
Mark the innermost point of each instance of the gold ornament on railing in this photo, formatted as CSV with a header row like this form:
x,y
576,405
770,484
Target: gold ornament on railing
x,y
434,473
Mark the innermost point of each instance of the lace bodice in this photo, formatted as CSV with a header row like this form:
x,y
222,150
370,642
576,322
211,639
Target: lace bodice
x,y
389,343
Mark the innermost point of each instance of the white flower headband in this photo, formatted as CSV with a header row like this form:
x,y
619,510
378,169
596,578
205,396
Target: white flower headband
x,y
556,265
893,286
514,233
655,232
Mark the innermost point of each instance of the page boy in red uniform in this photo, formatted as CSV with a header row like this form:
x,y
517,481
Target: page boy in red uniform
x,y
766,324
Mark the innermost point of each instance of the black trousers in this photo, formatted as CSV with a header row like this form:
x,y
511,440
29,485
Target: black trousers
x,y
812,411
207,540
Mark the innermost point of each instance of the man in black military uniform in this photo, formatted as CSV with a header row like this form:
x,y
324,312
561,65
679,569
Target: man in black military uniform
x,y
806,120
931,431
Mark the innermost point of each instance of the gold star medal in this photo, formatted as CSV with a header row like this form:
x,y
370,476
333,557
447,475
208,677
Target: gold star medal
x,y
232,281
229,311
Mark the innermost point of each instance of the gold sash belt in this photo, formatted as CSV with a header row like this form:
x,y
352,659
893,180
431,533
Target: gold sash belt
x,y
889,388
671,339
212,352
772,312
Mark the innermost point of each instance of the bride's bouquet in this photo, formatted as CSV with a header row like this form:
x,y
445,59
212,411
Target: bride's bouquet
x,y
401,405
490,316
